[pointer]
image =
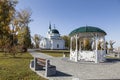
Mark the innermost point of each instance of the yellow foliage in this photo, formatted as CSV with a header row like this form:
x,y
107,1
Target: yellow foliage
x,y
7,19
1,10
0,18
2,23
86,43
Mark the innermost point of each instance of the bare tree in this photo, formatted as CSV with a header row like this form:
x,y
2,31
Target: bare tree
x,y
36,38
24,17
111,42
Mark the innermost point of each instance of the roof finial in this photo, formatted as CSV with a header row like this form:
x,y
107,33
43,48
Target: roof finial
x,y
54,26
50,25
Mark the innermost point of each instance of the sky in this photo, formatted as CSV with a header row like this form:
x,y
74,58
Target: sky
x,y
68,15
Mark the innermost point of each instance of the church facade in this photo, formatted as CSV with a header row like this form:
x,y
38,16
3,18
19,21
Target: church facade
x,y
53,40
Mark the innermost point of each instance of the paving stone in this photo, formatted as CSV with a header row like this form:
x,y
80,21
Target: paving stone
x,y
68,70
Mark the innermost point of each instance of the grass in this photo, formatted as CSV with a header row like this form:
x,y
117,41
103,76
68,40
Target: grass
x,y
55,53
17,68
111,57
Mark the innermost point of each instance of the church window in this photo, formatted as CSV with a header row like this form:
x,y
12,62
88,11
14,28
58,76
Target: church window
x,y
57,45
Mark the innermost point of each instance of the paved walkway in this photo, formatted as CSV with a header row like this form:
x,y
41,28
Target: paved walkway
x,y
68,70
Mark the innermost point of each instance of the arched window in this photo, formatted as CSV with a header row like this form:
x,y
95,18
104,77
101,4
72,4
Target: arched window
x,y
57,45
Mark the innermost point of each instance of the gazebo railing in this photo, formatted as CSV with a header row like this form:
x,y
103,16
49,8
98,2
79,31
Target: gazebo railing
x,y
86,55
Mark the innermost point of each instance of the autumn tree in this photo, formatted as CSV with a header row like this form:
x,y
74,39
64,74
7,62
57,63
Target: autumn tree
x,y
7,11
67,41
23,18
14,27
36,39
86,44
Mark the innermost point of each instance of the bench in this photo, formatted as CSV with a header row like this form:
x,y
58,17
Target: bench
x,y
41,62
44,64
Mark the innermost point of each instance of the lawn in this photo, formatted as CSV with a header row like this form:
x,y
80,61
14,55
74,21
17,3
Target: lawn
x,y
17,68
55,53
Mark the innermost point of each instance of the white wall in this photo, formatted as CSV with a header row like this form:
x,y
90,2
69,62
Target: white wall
x,y
52,44
87,55
45,44
56,42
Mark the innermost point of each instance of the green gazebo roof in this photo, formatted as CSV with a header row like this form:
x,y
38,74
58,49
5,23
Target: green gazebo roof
x,y
87,29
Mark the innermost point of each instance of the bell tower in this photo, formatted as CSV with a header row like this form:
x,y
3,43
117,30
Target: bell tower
x,y
49,30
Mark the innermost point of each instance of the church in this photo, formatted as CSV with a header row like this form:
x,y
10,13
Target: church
x,y
53,40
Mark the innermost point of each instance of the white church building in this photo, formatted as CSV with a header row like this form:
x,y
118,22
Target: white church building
x,y
53,40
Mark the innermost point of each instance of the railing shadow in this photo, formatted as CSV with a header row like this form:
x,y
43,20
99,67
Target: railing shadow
x,y
109,60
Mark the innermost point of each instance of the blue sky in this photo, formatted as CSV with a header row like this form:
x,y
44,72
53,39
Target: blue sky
x,y
68,15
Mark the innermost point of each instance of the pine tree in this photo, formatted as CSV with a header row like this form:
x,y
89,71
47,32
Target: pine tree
x,y
24,37
28,37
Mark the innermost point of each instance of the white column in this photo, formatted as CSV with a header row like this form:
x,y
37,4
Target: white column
x,y
96,41
76,51
93,44
71,43
80,46
76,42
104,49
96,46
71,52
104,43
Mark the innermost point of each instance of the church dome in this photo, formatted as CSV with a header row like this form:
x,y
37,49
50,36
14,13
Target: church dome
x,y
55,31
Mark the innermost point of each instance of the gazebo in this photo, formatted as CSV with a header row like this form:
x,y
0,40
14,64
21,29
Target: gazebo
x,y
96,36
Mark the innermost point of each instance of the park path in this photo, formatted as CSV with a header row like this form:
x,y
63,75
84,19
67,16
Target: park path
x,y
38,54
68,70
59,76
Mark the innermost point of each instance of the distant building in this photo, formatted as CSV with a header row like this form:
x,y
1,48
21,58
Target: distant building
x,y
53,40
